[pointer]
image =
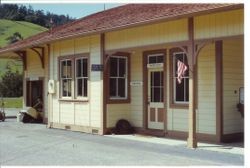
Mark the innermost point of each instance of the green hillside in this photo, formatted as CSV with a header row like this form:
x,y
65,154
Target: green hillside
x,y
8,28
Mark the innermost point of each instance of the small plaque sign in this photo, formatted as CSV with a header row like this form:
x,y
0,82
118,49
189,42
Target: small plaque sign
x,y
155,65
136,83
34,78
96,67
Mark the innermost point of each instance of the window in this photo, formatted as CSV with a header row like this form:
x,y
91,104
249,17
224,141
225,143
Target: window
x,y
81,77
155,58
66,77
73,77
181,90
156,86
118,77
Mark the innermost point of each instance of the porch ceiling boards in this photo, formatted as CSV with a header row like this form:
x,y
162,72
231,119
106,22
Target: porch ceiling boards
x,y
118,18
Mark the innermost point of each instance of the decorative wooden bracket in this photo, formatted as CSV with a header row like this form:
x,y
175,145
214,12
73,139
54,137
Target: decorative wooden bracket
x,y
40,53
23,56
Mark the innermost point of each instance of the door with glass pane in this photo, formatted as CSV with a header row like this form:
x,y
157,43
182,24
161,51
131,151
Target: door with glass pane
x,y
155,98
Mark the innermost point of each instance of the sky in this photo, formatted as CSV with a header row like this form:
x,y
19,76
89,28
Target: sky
x,y
73,10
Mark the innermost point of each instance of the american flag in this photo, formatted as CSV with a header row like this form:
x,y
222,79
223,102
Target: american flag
x,y
181,70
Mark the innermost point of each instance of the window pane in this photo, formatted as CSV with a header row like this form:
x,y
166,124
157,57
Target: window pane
x,y
122,67
85,87
152,94
79,87
78,68
121,87
157,95
187,89
112,87
152,59
162,80
151,86
69,69
69,87
159,59
179,56
162,94
179,91
66,87
85,68
157,79
113,67
63,69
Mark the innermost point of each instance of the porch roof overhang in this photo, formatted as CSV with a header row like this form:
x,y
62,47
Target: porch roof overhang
x,y
118,18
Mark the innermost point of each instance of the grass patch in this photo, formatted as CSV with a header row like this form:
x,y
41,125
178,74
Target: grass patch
x,y
12,102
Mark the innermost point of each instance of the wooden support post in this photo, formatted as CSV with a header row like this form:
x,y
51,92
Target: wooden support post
x,y
191,141
104,78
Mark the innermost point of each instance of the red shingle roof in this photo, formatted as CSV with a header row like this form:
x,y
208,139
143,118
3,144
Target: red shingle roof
x,y
118,18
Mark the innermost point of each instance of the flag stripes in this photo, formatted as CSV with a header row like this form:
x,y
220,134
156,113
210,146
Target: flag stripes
x,y
181,70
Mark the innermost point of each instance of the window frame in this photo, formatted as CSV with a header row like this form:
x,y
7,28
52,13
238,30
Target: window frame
x,y
73,59
172,82
117,100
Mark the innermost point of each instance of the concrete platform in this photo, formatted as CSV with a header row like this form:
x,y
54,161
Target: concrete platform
x,y
36,145
233,148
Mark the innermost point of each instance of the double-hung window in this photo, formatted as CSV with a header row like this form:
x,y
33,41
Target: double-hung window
x,y
73,77
180,90
118,78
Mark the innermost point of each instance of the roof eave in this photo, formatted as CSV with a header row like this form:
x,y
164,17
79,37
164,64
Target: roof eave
x,y
199,13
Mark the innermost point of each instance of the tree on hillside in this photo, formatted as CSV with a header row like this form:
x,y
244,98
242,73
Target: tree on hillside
x,y
22,13
11,84
14,38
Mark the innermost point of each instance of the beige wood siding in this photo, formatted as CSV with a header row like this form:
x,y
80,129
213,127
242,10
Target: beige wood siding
x,y
206,112
219,24
78,113
136,113
160,33
233,79
116,112
177,119
34,66
95,84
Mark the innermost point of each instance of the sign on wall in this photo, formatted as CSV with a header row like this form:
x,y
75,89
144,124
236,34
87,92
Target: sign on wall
x,y
136,83
96,67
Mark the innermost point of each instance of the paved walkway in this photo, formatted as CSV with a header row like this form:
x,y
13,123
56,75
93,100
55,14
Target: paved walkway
x,y
11,112
34,144
233,148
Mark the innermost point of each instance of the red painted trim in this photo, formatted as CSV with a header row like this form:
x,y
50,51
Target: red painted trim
x,y
219,88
